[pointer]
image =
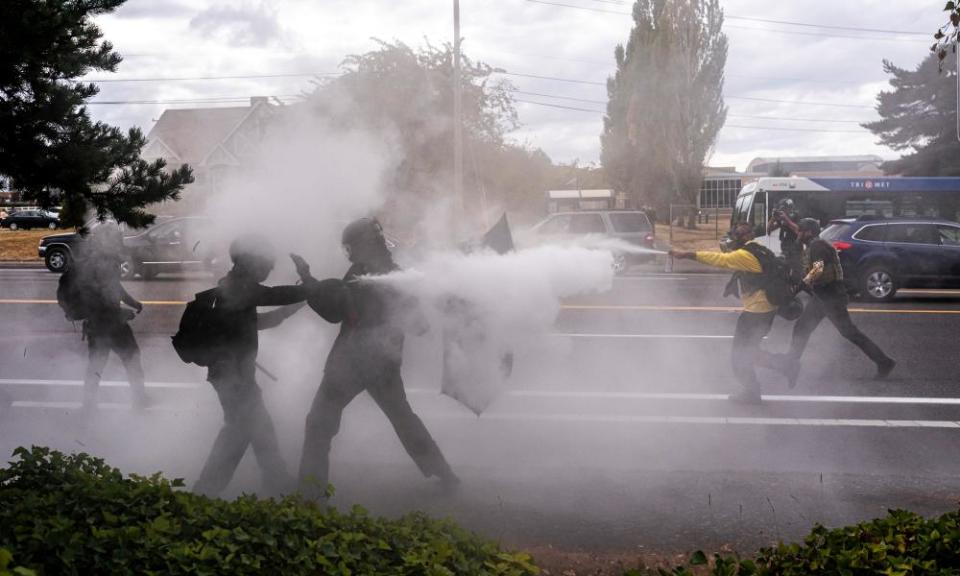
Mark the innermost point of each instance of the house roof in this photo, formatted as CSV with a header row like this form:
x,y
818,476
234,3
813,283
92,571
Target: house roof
x,y
193,133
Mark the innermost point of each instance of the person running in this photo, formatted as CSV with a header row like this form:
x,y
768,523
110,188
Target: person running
x,y
823,276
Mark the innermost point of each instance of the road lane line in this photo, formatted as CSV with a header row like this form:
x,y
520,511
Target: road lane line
x,y
144,302
657,308
647,336
586,307
568,394
920,400
527,417
105,383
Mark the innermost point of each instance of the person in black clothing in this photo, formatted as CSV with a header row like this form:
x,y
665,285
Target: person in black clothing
x,y
106,327
823,277
785,219
233,375
367,355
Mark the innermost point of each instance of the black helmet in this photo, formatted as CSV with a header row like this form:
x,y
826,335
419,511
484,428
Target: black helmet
x,y
251,247
362,232
811,225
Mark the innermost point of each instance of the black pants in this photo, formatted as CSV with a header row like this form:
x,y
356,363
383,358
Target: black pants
x,y
347,375
102,338
747,353
831,302
246,422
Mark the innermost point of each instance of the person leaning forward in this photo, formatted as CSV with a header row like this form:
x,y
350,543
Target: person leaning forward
x,y
823,277
366,356
754,322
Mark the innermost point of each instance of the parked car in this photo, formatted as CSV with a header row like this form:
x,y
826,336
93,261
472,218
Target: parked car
x,y
632,226
882,255
27,219
171,245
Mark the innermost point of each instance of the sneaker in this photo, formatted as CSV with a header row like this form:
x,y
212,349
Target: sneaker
x,y
884,369
746,397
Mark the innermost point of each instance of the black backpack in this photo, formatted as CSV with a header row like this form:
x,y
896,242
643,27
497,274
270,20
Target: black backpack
x,y
200,337
776,279
76,297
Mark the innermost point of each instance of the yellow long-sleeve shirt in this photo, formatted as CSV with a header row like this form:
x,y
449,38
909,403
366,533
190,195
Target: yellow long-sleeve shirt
x,y
740,261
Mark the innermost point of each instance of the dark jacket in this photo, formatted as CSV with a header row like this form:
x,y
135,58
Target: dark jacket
x,y
239,297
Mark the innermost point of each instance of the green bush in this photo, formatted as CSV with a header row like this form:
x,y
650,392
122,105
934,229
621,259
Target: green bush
x,y
901,544
72,514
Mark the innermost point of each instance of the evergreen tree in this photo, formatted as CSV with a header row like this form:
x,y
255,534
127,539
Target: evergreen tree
x,y
50,149
665,104
920,114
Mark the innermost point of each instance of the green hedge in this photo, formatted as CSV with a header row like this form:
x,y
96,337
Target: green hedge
x,y
72,514
901,544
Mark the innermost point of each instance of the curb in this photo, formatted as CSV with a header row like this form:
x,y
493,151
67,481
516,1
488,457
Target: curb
x,y
38,265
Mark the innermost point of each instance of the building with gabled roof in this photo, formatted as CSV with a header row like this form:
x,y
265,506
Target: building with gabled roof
x,y
213,141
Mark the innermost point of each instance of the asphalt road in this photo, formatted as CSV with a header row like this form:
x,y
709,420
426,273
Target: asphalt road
x,y
613,432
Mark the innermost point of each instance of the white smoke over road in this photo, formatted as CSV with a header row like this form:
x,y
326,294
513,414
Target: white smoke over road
x,y
489,306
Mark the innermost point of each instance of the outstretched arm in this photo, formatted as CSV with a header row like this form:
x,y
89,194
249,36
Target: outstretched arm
x,y
273,318
738,260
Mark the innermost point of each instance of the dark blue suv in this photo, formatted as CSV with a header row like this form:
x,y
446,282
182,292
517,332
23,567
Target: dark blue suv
x,y
881,255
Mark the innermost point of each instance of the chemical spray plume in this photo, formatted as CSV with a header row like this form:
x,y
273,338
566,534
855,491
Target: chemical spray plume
x,y
489,308
600,242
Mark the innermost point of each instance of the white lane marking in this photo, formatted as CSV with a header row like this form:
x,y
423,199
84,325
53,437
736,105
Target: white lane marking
x,y
105,383
647,336
100,406
527,417
663,277
785,398
571,394
711,420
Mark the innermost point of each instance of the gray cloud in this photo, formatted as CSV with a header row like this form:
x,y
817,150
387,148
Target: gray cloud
x,y
239,26
155,10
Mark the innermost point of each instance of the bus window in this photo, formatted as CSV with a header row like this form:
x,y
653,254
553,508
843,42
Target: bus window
x,y
857,208
742,209
759,212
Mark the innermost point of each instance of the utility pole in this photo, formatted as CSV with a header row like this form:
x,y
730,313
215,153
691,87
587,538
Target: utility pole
x,y
457,120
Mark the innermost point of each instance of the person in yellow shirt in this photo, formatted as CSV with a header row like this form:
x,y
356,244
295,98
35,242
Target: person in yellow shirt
x,y
754,322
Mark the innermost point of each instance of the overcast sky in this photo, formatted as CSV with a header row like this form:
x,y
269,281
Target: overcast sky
x,y
796,65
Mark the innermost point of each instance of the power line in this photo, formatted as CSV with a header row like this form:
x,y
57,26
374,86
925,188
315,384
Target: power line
x,y
827,26
570,80
802,102
558,106
773,100
768,128
788,119
559,97
191,78
210,100
780,129
765,21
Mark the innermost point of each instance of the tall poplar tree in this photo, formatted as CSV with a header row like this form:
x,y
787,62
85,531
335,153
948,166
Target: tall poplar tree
x,y
665,105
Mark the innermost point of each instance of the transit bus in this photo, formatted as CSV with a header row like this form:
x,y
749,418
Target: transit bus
x,y
827,199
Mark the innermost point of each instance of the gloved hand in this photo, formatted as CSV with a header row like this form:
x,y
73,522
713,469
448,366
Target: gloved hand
x,y
303,269
138,306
